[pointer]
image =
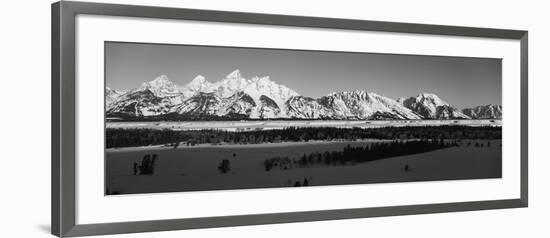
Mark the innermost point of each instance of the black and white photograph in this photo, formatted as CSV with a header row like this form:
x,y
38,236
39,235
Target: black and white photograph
x,y
181,118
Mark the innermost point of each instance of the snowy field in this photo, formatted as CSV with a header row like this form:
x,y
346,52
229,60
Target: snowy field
x,y
195,168
270,125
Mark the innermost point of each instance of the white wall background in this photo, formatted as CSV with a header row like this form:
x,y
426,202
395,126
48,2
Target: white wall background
x,y
25,117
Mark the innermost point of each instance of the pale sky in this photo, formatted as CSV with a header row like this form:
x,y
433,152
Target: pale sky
x,y
461,81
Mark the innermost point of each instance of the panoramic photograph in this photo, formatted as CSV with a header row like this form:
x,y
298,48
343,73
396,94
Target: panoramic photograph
x,y
182,118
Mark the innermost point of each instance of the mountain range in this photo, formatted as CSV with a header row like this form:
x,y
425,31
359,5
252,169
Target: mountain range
x,y
237,98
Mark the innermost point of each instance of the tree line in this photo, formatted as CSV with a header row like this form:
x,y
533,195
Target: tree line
x,y
142,137
361,154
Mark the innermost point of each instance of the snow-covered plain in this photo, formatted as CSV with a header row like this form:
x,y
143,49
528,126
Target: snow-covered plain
x,y
195,168
280,124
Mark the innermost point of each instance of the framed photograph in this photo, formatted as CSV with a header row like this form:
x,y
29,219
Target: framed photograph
x,y
167,119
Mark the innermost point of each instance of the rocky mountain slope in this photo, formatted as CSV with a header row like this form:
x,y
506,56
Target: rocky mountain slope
x,y
484,112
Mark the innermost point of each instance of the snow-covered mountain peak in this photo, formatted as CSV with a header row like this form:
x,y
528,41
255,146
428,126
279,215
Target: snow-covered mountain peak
x,y
161,87
261,80
111,91
430,106
259,86
236,74
160,80
255,87
432,98
231,84
111,95
199,83
489,111
428,95
365,105
199,79
358,93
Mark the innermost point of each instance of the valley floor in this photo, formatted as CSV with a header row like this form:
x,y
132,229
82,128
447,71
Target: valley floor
x,y
196,168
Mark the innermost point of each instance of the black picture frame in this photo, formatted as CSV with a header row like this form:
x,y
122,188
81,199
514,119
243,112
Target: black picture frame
x,y
63,136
